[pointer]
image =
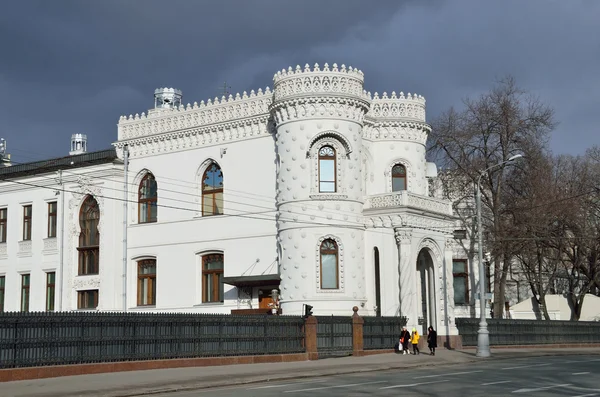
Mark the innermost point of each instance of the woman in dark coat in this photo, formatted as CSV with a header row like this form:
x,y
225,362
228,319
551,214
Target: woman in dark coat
x,y
431,340
404,339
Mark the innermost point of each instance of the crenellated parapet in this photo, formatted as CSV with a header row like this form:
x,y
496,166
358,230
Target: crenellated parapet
x,y
198,116
397,107
397,117
319,92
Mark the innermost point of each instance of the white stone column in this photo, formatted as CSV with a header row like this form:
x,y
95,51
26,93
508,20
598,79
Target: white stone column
x,y
407,276
446,321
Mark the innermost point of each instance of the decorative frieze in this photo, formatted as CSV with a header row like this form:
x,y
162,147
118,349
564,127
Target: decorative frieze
x,y
3,251
400,130
50,245
211,113
25,248
86,282
197,137
319,108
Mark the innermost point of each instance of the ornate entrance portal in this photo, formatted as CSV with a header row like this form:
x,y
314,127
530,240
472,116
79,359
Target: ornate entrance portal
x,y
426,290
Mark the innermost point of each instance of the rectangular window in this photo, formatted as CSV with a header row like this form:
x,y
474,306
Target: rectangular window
x,y
88,261
27,222
25,278
2,283
3,224
327,176
212,278
50,288
87,299
52,219
146,282
461,281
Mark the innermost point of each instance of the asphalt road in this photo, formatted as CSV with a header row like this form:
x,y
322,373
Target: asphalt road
x,y
564,376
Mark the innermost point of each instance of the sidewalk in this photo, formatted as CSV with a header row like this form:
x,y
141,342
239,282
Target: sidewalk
x,y
137,383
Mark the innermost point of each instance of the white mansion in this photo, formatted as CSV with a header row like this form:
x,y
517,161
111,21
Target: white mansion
x,y
316,189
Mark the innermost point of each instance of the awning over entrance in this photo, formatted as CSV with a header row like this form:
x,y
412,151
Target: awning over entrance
x,y
253,281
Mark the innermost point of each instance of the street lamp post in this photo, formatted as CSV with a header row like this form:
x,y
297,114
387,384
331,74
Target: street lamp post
x,y
483,335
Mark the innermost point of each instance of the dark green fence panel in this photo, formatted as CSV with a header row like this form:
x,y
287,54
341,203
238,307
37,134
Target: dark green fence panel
x,y
36,339
505,332
334,336
382,332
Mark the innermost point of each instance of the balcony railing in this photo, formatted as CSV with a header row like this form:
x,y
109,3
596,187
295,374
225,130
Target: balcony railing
x,y
407,199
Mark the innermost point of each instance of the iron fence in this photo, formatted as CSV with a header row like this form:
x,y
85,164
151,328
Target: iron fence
x,y
530,332
37,339
334,335
382,332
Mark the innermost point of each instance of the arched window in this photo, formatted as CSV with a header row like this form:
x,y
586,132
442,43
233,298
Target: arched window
x,y
212,278
89,238
327,170
329,265
398,178
212,190
147,199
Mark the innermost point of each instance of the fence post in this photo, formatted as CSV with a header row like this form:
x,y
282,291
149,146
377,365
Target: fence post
x,y
357,333
310,338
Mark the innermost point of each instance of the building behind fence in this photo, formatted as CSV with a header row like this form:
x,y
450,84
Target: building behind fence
x,y
43,339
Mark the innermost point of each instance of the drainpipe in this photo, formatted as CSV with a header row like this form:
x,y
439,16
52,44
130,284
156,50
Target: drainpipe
x,y
125,209
62,241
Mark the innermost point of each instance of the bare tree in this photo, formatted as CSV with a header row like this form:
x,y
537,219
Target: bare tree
x,y
556,219
487,131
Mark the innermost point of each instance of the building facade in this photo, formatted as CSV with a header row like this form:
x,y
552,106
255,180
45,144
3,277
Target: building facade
x,y
313,193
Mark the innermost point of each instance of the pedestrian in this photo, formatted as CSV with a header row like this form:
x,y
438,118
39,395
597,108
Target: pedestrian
x,y
414,338
404,339
431,340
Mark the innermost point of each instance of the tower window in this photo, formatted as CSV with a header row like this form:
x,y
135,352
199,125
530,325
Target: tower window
x,y
398,178
327,170
329,265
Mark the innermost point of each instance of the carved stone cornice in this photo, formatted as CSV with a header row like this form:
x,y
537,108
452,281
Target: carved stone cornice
x,y
198,136
319,108
398,130
408,221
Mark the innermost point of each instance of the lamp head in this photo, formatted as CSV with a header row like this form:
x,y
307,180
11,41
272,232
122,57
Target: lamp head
x,y
516,156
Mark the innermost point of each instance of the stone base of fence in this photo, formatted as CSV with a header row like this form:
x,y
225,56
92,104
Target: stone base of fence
x,y
13,374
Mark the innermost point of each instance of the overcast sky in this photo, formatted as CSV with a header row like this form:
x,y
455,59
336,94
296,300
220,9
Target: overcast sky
x,y
75,66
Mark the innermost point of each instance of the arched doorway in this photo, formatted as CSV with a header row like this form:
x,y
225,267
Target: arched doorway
x,y
377,282
426,288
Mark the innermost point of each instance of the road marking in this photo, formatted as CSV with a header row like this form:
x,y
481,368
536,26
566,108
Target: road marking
x,y
287,384
333,387
454,373
496,383
587,395
528,366
540,388
414,384
580,373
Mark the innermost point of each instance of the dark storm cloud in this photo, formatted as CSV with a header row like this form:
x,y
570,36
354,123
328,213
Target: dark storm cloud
x,y
76,66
